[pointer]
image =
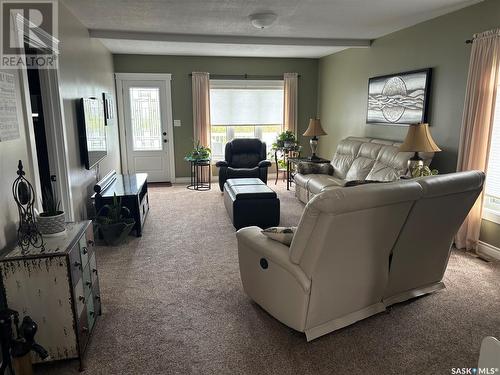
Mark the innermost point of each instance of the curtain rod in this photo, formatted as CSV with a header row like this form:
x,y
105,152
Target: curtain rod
x,y
245,76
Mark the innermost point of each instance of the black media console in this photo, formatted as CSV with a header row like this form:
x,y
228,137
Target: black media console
x,y
131,188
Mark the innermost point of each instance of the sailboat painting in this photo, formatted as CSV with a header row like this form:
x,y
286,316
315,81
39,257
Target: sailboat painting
x,y
399,99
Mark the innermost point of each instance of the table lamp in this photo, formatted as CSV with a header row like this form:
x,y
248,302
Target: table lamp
x,y
314,130
418,139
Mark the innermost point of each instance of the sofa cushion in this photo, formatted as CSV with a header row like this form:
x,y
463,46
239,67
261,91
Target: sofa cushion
x,y
390,165
347,150
302,179
364,161
318,182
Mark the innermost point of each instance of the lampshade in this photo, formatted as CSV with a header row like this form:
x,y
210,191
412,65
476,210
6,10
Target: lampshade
x,y
314,129
419,139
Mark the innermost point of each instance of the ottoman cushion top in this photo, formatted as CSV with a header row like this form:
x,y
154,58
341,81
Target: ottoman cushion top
x,y
253,192
244,181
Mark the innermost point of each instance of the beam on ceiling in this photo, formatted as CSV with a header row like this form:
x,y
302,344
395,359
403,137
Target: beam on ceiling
x,y
227,39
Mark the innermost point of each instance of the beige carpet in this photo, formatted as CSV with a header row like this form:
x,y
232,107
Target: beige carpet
x,y
173,304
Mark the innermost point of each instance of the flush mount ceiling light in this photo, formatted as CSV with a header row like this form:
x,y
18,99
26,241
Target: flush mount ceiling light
x,y
263,20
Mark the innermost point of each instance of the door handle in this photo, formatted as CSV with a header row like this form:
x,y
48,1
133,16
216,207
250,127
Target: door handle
x,y
164,133
165,140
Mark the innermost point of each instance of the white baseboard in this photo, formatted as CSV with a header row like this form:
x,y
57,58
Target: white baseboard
x,y
488,250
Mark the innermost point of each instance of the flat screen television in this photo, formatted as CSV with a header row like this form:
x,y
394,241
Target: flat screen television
x,y
92,129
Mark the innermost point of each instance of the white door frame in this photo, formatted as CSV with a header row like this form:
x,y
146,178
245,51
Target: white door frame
x,y
55,131
119,78
57,144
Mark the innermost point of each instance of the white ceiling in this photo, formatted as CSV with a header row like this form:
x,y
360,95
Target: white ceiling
x,y
150,24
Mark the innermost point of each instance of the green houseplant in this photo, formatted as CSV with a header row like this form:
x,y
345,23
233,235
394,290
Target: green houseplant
x,y
199,152
114,222
285,139
51,220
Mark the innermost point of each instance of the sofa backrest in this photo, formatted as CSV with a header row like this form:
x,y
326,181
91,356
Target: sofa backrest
x,y
343,242
363,158
420,255
245,152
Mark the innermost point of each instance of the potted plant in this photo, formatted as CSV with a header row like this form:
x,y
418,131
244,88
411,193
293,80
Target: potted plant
x,y
51,220
199,152
285,139
114,222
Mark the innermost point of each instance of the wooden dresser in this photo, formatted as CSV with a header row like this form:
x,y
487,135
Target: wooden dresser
x,y
58,288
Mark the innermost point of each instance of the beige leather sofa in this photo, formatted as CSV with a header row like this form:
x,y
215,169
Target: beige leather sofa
x,y
357,250
356,158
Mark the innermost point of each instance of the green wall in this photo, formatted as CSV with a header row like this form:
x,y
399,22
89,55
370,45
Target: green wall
x,y
181,66
439,44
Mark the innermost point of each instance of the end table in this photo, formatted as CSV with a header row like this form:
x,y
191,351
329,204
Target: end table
x,y
201,173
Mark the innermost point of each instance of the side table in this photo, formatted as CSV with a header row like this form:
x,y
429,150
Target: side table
x,y
294,161
201,174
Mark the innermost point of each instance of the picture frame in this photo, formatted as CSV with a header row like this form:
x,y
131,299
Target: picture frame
x,y
400,99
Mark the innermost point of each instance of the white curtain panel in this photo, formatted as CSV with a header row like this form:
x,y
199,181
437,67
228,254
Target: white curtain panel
x,y
477,123
201,107
290,101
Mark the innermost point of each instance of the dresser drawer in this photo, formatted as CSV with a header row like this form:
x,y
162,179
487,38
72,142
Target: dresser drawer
x,y
93,269
79,295
84,251
96,294
75,264
87,281
90,312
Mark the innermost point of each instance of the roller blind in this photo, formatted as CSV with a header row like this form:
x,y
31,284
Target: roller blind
x,y
493,172
246,102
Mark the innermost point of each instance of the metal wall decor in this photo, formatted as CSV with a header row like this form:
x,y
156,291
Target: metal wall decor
x,y
24,195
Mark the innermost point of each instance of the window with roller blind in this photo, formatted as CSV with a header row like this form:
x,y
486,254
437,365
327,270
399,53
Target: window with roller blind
x,y
492,187
244,109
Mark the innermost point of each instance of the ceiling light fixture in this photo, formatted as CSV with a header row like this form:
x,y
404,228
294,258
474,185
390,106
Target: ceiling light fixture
x,y
263,20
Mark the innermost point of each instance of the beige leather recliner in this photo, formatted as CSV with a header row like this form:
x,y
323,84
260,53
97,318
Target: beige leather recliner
x,y
338,267
357,158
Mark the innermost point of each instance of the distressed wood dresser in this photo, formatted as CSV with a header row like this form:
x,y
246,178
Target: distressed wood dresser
x,y
58,287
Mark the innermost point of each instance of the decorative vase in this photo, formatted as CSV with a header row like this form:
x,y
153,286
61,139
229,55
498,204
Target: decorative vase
x,y
51,225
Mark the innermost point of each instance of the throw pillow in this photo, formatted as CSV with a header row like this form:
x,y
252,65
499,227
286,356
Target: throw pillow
x,y
280,234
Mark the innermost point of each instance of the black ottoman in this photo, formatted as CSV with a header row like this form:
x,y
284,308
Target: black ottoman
x,y
249,202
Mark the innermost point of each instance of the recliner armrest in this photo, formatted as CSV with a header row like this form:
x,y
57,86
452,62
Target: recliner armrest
x,y
222,163
264,163
274,251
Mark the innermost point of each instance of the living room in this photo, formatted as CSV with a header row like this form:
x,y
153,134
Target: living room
x,y
278,214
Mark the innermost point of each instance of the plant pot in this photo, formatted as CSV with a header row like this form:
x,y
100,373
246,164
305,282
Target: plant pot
x,y
51,225
289,144
113,234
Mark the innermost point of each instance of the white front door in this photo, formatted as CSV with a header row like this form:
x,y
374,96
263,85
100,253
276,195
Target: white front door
x,y
147,119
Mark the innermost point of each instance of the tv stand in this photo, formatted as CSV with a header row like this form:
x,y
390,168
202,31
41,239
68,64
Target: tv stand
x,y
133,191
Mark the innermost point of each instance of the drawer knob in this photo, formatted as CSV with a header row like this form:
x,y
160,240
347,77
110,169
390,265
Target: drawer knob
x,y
78,264
84,250
82,298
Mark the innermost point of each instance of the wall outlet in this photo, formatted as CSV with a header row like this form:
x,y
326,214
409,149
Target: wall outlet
x,y
177,122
